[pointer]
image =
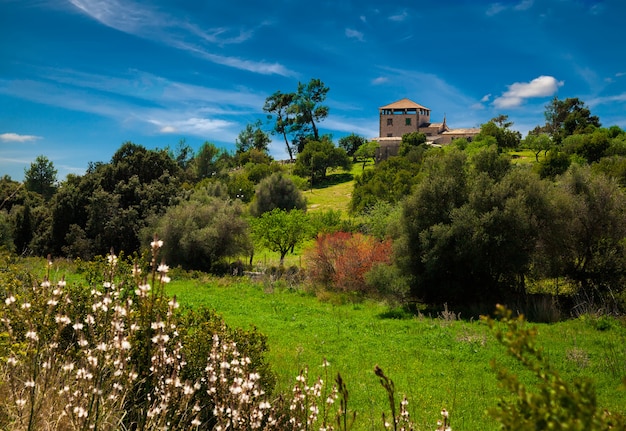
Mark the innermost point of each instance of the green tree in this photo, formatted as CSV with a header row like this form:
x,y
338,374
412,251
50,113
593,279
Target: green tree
x,y
537,143
41,177
366,152
411,142
319,156
490,161
467,236
112,202
592,245
183,155
351,144
280,231
553,164
500,128
568,117
205,162
590,146
252,137
6,232
278,104
201,234
308,107
390,181
277,191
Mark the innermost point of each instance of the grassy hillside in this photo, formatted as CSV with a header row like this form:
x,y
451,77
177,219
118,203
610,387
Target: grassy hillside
x,y
336,191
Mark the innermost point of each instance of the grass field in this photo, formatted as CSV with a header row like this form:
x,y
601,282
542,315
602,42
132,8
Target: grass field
x,y
436,362
336,191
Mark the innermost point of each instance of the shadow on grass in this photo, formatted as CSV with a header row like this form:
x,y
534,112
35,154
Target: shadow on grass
x,y
333,180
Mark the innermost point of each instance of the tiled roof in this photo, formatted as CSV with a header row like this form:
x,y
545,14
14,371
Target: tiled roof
x,y
404,104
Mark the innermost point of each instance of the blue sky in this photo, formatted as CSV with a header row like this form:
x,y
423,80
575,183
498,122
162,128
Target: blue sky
x,y
80,77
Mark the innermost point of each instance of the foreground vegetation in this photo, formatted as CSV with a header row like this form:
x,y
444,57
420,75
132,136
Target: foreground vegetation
x,y
114,351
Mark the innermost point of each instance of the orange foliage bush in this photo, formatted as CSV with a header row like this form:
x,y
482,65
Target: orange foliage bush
x,y
340,260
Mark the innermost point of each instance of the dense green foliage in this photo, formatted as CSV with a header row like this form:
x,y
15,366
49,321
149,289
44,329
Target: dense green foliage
x,y
277,191
317,157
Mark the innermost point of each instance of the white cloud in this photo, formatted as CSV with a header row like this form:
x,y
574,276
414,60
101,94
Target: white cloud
x,y
607,99
486,98
495,8
14,137
142,21
518,92
143,100
524,5
195,126
354,34
380,80
399,17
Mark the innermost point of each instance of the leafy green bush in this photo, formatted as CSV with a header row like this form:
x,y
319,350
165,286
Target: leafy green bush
x,y
555,404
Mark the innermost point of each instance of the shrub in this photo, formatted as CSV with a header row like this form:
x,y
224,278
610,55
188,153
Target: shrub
x,y
120,355
341,260
556,404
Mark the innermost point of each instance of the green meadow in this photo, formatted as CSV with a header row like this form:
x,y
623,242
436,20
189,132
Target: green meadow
x,y
437,361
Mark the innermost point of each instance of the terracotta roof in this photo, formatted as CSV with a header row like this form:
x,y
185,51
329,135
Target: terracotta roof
x,y
404,104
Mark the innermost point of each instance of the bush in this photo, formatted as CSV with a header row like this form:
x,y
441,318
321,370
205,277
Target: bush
x,y
277,191
556,404
121,355
340,261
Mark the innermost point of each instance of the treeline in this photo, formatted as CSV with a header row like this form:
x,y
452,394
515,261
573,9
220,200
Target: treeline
x,y
466,223
471,226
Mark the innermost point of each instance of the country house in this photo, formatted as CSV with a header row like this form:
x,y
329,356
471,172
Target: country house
x,y
406,116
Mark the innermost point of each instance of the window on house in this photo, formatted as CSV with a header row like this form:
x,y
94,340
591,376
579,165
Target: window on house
x,y
407,121
390,121
389,135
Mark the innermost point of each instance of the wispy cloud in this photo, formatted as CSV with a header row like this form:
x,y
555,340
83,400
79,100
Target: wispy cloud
x,y
354,34
15,137
518,92
524,5
607,99
380,80
142,99
194,125
142,21
399,17
495,8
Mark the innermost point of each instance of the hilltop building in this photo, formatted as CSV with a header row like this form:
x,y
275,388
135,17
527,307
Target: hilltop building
x,y
406,116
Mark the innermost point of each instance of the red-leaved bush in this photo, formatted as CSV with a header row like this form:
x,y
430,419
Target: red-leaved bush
x,y
340,260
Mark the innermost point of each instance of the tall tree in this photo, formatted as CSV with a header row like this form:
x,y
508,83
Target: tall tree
x,y
308,107
568,117
278,104
252,137
351,143
205,161
41,177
